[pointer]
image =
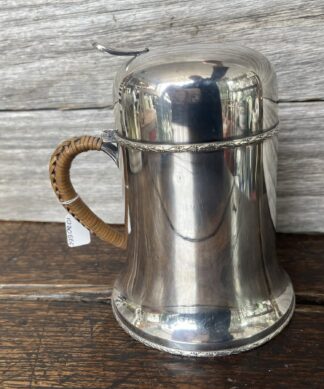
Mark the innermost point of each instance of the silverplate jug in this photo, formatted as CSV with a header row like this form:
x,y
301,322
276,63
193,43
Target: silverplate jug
x,y
196,137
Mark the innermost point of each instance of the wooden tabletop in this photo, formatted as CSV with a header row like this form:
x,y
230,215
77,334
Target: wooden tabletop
x,y
57,329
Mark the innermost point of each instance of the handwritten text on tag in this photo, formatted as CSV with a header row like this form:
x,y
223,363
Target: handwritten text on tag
x,y
76,234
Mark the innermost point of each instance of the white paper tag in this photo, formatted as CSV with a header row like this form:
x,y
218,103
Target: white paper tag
x,y
76,234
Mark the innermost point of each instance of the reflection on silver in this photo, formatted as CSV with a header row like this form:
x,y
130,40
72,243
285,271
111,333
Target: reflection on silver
x,y
202,276
119,52
196,353
194,147
192,95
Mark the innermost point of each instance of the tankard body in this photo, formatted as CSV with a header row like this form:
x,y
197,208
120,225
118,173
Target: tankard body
x,y
196,140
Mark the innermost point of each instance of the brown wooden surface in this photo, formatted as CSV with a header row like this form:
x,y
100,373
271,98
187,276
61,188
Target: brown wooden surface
x,y
35,259
57,329
79,345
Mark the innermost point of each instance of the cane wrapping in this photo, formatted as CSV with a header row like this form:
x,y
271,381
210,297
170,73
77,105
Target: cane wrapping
x,y
59,170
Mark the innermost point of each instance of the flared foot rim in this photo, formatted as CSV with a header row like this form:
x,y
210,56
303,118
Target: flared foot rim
x,y
279,326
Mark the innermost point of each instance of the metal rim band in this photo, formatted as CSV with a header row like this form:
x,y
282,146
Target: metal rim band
x,y
283,321
192,147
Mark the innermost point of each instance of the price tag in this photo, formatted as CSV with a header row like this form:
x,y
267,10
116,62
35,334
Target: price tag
x,y
76,233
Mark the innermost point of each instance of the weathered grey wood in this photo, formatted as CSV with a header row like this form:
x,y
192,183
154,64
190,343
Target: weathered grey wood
x,y
47,60
26,144
300,205
28,138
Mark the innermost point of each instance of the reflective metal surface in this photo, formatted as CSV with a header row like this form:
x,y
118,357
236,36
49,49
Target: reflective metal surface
x,y
194,147
202,276
122,53
195,94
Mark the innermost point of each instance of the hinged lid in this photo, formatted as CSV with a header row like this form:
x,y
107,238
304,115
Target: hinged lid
x,y
195,94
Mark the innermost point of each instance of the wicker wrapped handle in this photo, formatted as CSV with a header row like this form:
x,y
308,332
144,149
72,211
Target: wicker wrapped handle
x,y
59,170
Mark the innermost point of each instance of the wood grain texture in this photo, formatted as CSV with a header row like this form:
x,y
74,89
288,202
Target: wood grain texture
x,y
47,60
36,254
76,345
26,145
300,194
30,137
48,64
37,264
302,257
68,338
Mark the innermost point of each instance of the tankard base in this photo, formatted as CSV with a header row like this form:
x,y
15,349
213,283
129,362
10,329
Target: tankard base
x,y
160,331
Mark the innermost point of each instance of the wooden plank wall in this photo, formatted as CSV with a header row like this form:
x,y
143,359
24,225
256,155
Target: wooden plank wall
x,y
54,85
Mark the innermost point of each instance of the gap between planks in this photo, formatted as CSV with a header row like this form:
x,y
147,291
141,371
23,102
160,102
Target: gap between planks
x,y
94,293
48,292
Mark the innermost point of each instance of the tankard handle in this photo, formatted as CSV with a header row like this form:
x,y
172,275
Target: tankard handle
x,y
59,170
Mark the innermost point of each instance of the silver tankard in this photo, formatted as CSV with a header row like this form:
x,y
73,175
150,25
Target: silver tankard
x,y
196,137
